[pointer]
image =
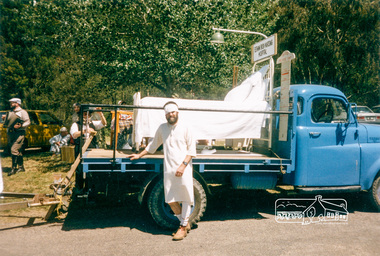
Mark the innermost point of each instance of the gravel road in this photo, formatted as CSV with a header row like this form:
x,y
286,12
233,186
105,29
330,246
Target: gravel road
x,y
236,223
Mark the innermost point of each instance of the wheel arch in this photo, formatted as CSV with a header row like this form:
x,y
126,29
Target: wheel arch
x,y
151,181
372,173
147,186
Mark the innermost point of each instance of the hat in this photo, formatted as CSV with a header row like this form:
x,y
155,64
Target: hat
x,y
17,100
63,129
170,106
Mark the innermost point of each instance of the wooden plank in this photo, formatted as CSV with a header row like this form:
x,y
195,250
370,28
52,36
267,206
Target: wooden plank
x,y
44,203
74,166
13,206
221,154
50,211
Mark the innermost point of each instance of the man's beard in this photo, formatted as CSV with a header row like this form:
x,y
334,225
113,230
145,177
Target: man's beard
x,y
13,107
172,120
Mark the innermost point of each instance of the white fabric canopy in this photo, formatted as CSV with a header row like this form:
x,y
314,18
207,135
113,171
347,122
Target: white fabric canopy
x,y
250,95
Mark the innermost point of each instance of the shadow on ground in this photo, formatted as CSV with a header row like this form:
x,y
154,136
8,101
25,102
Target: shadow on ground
x,y
224,205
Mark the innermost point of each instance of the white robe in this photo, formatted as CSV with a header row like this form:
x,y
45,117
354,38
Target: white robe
x,y
177,144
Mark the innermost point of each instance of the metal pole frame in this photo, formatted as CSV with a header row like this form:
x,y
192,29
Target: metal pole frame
x,y
271,75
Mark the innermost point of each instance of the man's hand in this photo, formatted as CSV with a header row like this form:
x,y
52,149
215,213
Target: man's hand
x,y
137,156
134,156
16,126
58,143
180,170
89,130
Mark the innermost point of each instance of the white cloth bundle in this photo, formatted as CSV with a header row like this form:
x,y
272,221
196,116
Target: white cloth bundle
x,y
250,95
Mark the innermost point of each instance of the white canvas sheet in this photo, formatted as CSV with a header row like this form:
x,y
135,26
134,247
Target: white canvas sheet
x,y
250,95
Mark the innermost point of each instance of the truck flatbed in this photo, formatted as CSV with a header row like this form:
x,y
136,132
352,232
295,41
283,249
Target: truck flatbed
x,y
102,160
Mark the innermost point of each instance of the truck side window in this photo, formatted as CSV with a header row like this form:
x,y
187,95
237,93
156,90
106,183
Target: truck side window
x,y
47,119
327,110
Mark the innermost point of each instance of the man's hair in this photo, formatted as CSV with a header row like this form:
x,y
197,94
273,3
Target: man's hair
x,y
170,102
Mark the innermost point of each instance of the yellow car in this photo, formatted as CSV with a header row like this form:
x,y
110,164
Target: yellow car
x,y
43,126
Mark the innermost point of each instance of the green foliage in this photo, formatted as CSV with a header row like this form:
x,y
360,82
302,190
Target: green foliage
x,y
57,52
97,51
336,43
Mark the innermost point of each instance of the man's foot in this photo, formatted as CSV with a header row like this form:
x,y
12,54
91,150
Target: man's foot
x,y
21,169
13,171
181,234
188,228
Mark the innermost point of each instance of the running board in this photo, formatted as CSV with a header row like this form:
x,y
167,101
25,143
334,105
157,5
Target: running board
x,y
328,189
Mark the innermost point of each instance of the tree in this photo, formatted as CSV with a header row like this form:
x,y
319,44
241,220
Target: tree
x,y
162,45
90,51
336,43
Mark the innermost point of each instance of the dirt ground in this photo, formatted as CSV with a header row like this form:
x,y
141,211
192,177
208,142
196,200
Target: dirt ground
x,y
235,223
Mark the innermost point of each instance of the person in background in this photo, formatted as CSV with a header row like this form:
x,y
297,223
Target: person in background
x,y
179,149
75,116
17,120
88,127
59,140
124,140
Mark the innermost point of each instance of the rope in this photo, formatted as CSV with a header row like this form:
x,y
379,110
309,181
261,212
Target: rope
x,y
283,171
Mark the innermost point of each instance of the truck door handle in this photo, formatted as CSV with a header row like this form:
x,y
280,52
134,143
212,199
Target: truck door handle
x,y
314,134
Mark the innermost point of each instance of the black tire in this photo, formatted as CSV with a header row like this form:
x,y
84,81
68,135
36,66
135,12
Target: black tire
x,y
374,193
163,215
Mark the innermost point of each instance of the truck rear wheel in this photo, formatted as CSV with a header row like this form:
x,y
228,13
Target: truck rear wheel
x,y
374,193
163,215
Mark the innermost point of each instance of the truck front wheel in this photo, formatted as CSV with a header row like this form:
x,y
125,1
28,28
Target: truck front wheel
x,y
163,215
375,193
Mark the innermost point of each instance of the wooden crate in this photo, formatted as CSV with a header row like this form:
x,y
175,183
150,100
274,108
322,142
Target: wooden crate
x,y
68,154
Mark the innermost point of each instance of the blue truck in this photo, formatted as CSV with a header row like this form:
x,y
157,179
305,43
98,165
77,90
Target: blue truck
x,y
325,150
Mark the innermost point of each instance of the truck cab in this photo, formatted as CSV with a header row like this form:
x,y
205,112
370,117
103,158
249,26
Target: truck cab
x,y
332,148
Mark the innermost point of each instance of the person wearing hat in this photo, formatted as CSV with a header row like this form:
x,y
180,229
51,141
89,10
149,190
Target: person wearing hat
x,y
179,149
17,120
59,140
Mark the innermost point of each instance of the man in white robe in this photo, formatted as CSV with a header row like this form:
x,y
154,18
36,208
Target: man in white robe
x,y
179,149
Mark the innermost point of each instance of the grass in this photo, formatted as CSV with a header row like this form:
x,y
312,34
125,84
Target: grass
x,y
40,169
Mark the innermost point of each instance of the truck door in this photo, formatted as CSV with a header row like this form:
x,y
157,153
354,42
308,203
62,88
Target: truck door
x,y
34,131
333,152
50,127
